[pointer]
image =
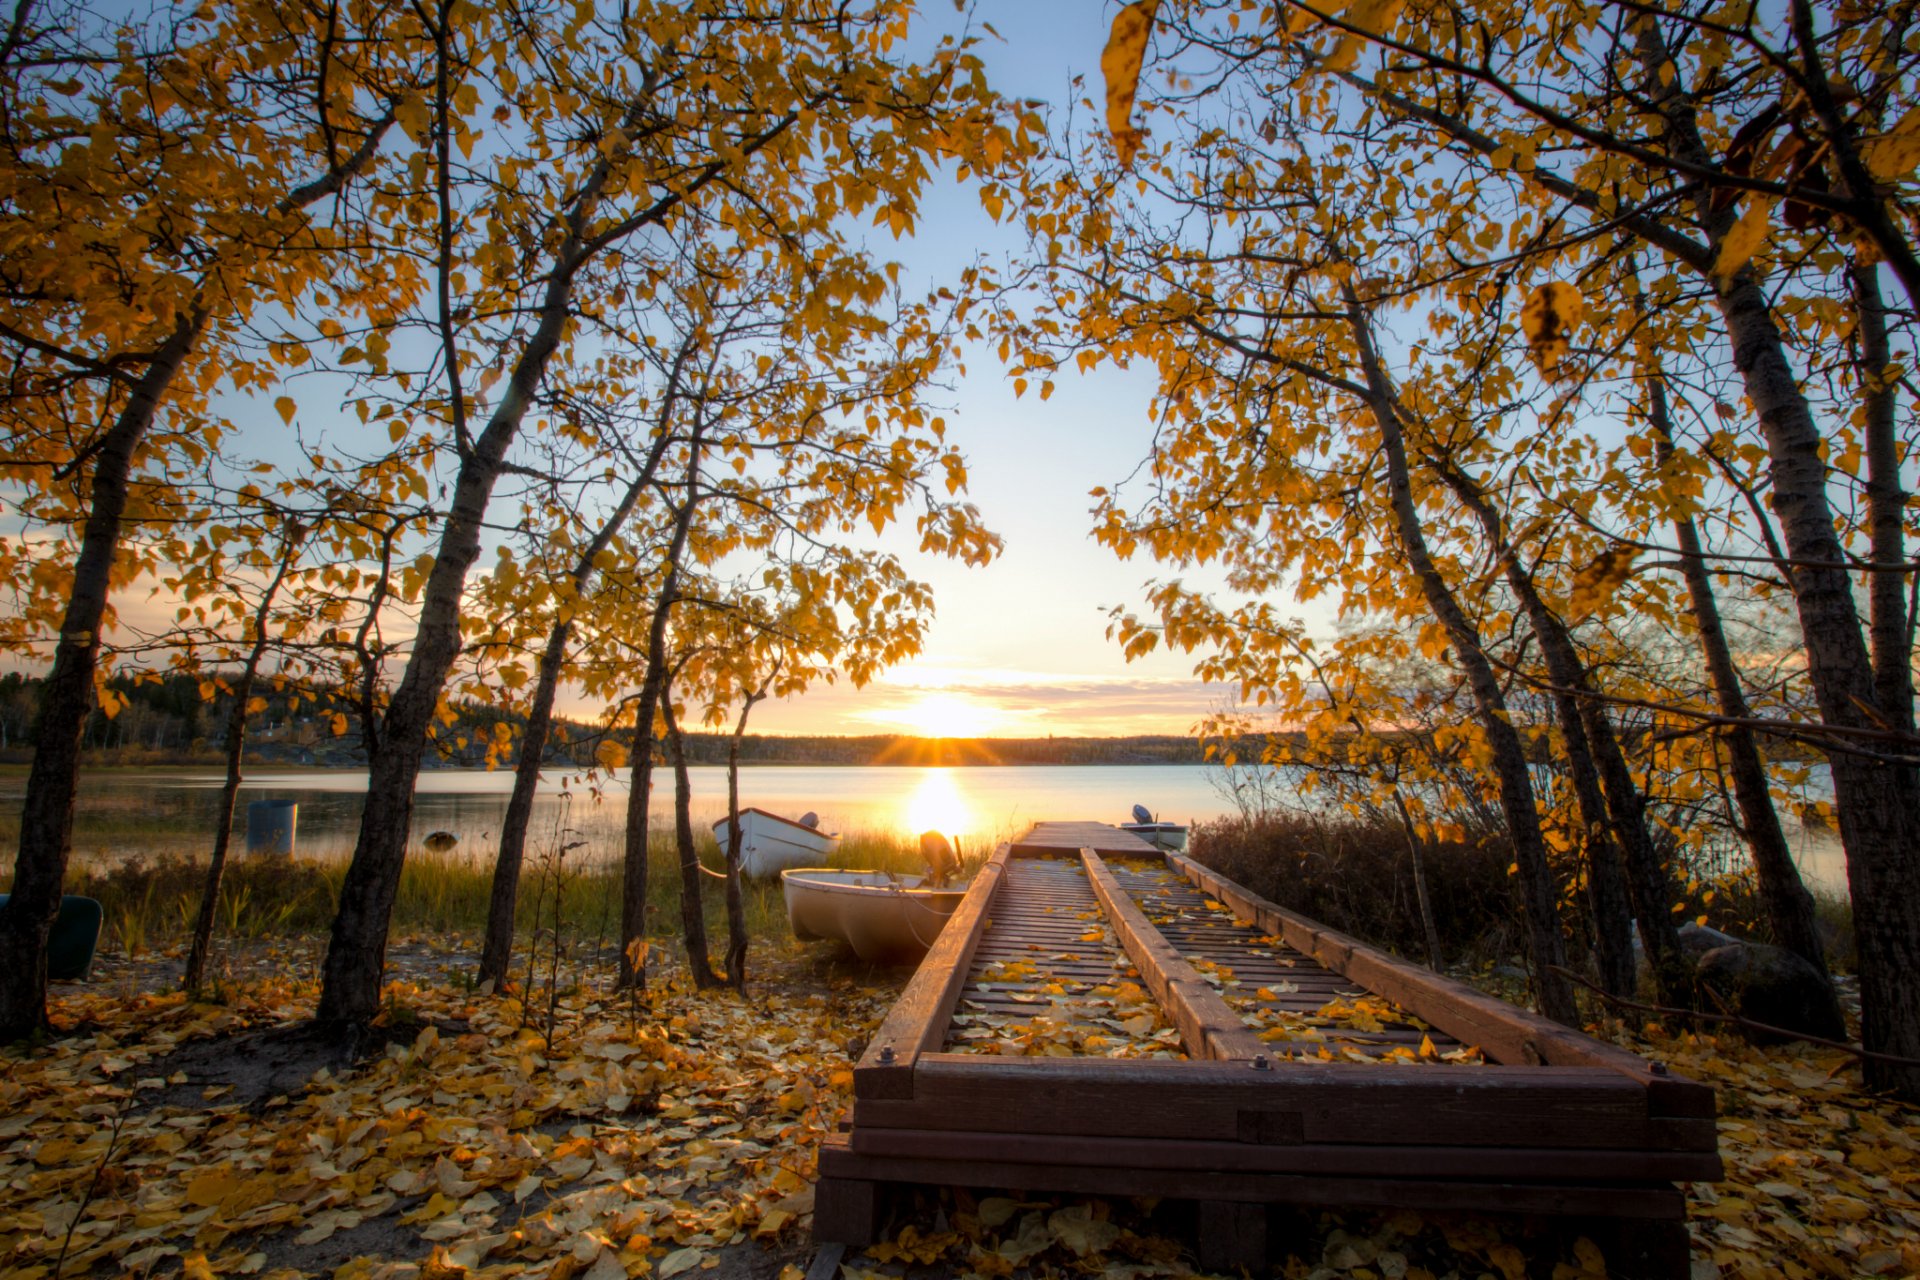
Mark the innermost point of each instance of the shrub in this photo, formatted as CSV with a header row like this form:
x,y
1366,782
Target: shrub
x,y
1355,875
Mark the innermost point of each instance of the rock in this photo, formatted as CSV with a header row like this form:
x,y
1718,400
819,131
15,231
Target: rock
x,y
1771,985
1697,939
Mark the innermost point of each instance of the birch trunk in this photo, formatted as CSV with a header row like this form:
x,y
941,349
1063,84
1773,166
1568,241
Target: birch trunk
x,y
693,914
1546,952
67,700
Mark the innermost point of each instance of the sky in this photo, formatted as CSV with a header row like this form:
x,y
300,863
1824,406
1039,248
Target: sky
x,y
1018,648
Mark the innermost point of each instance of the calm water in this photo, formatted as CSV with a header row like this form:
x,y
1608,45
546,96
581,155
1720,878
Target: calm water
x,y
129,812
123,812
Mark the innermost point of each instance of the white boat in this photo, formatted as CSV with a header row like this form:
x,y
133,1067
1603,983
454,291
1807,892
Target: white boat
x,y
770,843
880,915
1170,836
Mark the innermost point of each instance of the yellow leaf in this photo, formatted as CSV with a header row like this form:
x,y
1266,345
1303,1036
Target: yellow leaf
x,y
213,1186
1594,585
1547,320
1893,155
1743,241
1376,17
439,1266
677,1261
286,406
1120,64
194,1266
994,1211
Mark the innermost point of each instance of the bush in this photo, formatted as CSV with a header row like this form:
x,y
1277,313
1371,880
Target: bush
x,y
1355,875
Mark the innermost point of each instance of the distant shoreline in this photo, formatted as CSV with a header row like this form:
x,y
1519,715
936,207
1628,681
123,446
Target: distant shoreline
x,y
759,751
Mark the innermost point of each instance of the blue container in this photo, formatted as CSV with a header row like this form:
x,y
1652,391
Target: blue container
x,y
270,826
70,943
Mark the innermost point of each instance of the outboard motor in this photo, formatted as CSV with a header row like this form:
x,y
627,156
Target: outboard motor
x,y
809,819
1142,814
939,856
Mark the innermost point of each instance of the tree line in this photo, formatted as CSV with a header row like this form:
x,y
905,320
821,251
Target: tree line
x,y
166,718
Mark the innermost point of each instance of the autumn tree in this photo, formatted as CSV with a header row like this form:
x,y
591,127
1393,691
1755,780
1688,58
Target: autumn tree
x,y
1605,137
620,133
796,440
215,592
167,181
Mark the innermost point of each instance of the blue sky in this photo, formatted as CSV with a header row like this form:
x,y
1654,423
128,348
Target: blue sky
x,y
1019,647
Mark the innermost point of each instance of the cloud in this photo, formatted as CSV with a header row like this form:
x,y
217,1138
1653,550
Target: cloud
x,y
1021,704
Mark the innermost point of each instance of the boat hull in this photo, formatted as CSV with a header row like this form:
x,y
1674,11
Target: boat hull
x,y
1168,836
769,843
881,917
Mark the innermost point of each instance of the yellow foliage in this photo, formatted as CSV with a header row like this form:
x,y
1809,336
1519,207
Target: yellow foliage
x,y
1120,64
1741,243
1547,319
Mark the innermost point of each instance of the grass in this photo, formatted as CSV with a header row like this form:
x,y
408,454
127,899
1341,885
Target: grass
x,y
150,900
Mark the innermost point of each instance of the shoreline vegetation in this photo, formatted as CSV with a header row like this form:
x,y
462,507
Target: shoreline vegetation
x,y
1351,874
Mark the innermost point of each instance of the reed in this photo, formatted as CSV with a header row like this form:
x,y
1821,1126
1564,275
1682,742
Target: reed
x,y
149,899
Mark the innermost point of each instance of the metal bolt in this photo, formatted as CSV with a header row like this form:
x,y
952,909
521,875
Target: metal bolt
x,y
886,1053
1260,1062
1658,1068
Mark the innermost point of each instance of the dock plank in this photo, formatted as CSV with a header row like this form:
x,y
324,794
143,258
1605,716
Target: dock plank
x,y
1066,839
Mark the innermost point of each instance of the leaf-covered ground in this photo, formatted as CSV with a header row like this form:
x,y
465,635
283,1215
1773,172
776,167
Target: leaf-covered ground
x,y
678,1136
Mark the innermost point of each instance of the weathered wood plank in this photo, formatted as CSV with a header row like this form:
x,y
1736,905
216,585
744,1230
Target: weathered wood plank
x,y
1505,1033
1352,1160
1209,1028
1066,839
917,1023
1642,1201
1311,1101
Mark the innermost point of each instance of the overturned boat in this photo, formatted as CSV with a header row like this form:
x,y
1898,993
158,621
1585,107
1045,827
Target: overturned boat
x,y
770,843
882,916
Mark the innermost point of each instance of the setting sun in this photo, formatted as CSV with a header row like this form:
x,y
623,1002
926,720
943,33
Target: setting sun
x,y
947,715
936,805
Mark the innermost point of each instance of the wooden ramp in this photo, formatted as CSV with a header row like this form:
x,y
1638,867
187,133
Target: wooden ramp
x,y
1100,1018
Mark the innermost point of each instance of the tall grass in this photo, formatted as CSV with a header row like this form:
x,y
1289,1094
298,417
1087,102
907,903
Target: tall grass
x,y
149,900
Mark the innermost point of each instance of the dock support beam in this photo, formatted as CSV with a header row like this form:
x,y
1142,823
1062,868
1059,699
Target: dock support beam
x,y
846,1211
1233,1235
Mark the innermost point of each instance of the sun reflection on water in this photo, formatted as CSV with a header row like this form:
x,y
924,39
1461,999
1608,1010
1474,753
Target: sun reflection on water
x,y
937,805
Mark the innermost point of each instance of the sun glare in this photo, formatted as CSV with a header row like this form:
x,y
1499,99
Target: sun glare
x,y
936,805
946,715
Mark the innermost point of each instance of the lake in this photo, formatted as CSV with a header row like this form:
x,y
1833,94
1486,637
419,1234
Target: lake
x,y
128,812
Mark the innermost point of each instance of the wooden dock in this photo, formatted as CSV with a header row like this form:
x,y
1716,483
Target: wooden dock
x,y
1100,1018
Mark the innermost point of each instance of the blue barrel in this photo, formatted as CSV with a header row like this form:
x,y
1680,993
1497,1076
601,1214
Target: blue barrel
x,y
270,826
71,940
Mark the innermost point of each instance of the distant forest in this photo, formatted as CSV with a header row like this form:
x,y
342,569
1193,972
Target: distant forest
x,y
168,721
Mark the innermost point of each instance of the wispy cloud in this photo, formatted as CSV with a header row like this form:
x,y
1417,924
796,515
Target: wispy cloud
x,y
1019,704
